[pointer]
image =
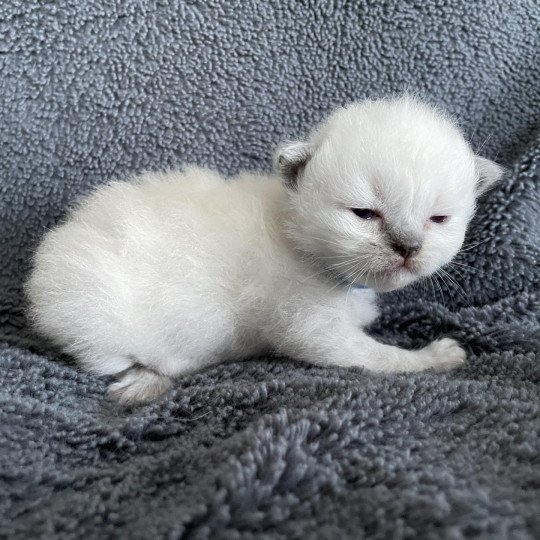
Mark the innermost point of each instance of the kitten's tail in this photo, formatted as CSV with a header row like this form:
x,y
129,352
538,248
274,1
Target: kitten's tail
x,y
139,385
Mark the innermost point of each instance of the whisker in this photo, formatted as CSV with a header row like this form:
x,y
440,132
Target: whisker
x,y
457,287
466,268
468,247
436,281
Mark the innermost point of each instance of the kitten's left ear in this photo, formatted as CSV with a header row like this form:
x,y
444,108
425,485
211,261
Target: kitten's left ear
x,y
289,160
488,173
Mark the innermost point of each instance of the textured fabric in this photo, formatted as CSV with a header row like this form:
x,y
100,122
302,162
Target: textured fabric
x,y
271,448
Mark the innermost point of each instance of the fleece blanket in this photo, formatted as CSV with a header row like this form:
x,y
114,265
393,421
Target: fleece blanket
x,y
271,448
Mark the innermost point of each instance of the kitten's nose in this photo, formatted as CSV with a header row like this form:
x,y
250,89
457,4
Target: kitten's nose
x,y
406,250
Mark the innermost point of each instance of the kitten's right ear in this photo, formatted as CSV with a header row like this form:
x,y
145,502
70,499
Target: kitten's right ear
x,y
289,160
488,174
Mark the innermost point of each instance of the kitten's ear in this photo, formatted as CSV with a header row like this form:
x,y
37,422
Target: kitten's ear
x,y
289,160
488,174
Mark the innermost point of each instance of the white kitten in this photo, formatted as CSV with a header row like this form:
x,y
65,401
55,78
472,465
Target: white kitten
x,y
171,272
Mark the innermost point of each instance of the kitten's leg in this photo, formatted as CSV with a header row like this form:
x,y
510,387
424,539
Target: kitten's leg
x,y
363,351
109,363
135,382
148,378
328,337
139,385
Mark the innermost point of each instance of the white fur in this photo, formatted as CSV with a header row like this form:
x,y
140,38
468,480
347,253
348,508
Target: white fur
x,y
175,271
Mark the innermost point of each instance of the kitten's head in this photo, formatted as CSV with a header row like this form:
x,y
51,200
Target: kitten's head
x,y
382,192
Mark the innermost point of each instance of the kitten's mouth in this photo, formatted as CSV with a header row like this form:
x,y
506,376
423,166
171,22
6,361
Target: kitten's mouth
x,y
392,278
401,267
398,269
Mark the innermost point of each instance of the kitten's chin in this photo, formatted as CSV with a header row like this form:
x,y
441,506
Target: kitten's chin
x,y
388,281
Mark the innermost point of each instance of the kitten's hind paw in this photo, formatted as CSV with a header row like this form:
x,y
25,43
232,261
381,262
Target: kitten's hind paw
x,y
445,354
139,385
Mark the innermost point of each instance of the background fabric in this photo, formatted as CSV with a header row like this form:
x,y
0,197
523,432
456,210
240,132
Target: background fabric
x,y
271,448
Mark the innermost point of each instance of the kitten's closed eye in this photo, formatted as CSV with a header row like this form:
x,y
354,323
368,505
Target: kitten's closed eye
x,y
438,219
365,213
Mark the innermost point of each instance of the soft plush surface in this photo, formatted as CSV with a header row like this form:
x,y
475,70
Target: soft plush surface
x,y
270,448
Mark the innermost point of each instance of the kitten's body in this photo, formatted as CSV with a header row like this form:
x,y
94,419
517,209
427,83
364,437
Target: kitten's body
x,y
172,272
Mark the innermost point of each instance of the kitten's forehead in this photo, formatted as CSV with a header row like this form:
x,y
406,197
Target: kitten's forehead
x,y
401,152
405,118
400,133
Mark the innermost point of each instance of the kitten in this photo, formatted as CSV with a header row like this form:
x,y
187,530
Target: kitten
x,y
172,272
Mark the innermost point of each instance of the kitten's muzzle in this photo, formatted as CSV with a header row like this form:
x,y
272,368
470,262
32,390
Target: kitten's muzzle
x,y
406,250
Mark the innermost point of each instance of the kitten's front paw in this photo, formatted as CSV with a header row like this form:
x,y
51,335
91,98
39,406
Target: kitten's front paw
x,y
445,354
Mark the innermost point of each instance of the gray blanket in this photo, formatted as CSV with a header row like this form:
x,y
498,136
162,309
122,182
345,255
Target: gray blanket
x,y
270,448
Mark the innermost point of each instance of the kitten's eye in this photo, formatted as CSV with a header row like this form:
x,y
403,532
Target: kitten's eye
x,y
438,219
365,213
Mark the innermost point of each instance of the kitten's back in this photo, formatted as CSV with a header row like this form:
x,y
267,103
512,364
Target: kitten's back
x,y
140,254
